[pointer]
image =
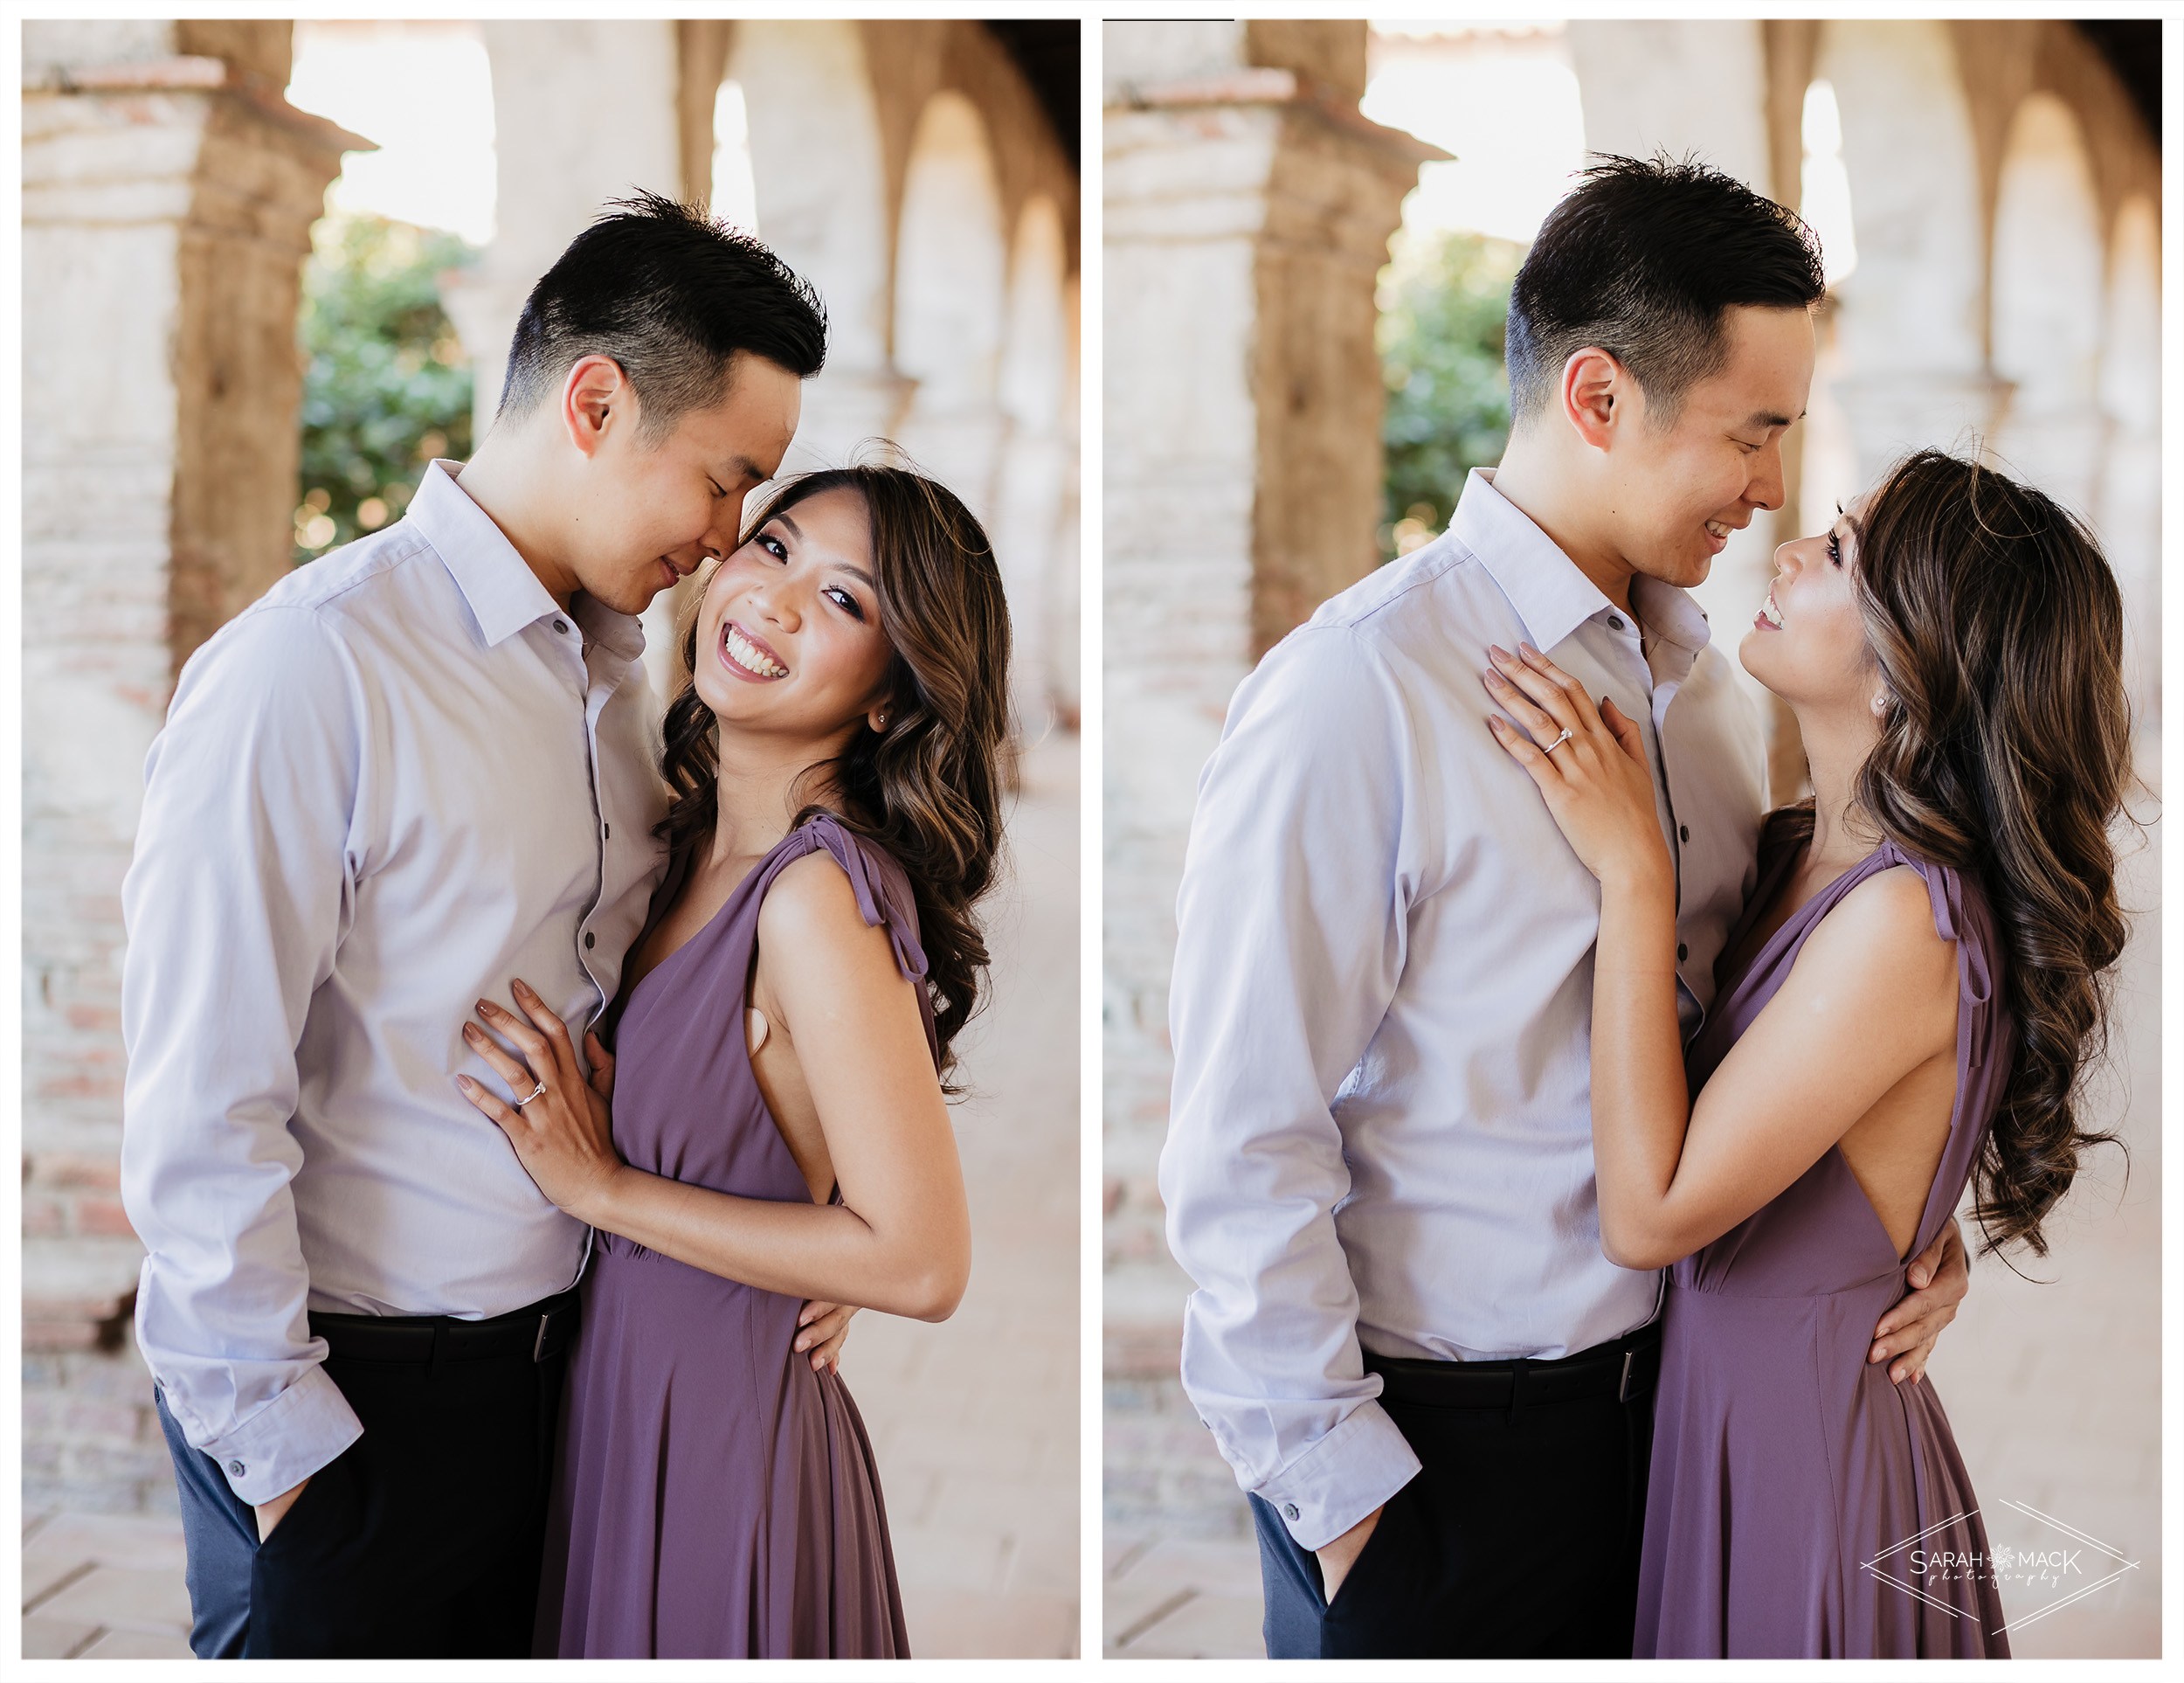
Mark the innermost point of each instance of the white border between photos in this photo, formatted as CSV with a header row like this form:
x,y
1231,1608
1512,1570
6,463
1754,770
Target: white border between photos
x,y
1091,793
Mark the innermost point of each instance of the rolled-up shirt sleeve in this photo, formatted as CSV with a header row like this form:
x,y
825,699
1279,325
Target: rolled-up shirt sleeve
x,y
1292,917
246,861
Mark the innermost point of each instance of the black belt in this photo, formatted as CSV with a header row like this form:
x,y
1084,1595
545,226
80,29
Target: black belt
x,y
1623,1370
534,1334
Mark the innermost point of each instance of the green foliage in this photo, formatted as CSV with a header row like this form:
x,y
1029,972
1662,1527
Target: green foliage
x,y
386,386
1443,300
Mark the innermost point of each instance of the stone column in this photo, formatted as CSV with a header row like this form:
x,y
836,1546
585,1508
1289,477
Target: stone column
x,y
1248,209
2128,510
1697,87
2046,282
1034,456
951,300
582,112
1912,319
1066,596
817,160
169,192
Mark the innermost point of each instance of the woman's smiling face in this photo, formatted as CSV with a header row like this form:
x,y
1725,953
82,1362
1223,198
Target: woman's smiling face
x,y
789,640
1807,643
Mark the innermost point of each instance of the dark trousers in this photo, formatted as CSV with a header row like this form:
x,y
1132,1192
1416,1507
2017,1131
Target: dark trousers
x,y
1518,1539
422,1540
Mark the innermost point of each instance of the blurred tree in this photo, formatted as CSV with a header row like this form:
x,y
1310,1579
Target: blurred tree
x,y
1443,299
386,386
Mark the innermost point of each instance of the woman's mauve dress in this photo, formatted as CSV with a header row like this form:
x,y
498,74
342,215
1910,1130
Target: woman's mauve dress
x,y
713,1496
1791,1479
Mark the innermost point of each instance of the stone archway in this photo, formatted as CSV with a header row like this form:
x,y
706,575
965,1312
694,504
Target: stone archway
x,y
169,192
552,176
1634,78
1066,595
1032,387
1910,321
950,300
821,183
2128,505
2047,297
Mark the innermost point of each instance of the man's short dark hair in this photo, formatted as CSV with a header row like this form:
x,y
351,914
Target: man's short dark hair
x,y
673,297
1641,259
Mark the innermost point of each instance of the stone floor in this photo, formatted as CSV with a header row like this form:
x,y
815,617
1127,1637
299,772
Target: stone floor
x,y
974,1422
103,1586
2054,1390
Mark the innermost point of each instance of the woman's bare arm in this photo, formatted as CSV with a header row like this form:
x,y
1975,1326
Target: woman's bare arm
x,y
900,1239
1871,999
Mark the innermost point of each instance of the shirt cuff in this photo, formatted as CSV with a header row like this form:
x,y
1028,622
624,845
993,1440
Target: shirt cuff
x,y
300,1431
1341,1479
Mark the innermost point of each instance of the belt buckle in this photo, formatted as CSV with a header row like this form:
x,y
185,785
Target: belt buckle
x,y
1622,1388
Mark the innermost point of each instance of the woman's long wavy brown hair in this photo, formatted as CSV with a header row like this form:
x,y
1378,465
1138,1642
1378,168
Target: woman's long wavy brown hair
x,y
2004,753
928,789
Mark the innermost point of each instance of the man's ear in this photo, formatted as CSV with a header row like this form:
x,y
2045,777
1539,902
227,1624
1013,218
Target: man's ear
x,y
1596,390
596,397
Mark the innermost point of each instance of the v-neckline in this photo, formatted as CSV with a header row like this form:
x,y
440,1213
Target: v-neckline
x,y
674,886
1770,947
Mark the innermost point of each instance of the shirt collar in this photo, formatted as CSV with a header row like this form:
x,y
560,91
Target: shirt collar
x,y
621,634
1673,617
1550,594
503,594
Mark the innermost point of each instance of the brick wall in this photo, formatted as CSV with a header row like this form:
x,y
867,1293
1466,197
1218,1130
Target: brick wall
x,y
1248,212
167,199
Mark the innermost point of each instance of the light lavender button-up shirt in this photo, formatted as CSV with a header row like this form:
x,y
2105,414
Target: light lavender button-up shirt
x,y
1382,1130
401,779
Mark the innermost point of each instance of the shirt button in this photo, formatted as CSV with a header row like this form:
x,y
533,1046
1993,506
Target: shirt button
x,y
235,1468
1683,832
607,831
1288,1510
562,625
590,940
1682,952
1615,623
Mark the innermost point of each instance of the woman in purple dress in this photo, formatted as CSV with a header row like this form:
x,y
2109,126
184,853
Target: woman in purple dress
x,y
1905,1010
778,1129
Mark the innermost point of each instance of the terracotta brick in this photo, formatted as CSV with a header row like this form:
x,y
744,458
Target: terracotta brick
x,y
75,1169
103,1218
43,1217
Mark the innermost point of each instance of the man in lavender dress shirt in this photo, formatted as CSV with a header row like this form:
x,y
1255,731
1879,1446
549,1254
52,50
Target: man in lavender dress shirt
x,y
411,772
1405,1338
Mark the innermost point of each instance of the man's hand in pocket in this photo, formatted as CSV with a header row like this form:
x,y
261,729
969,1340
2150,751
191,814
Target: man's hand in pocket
x,y
269,1513
1336,1559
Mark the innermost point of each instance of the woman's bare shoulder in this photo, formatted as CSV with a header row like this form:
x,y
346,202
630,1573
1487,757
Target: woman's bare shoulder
x,y
811,898
1882,938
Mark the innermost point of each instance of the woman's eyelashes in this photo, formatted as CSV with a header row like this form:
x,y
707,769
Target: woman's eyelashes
x,y
837,594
